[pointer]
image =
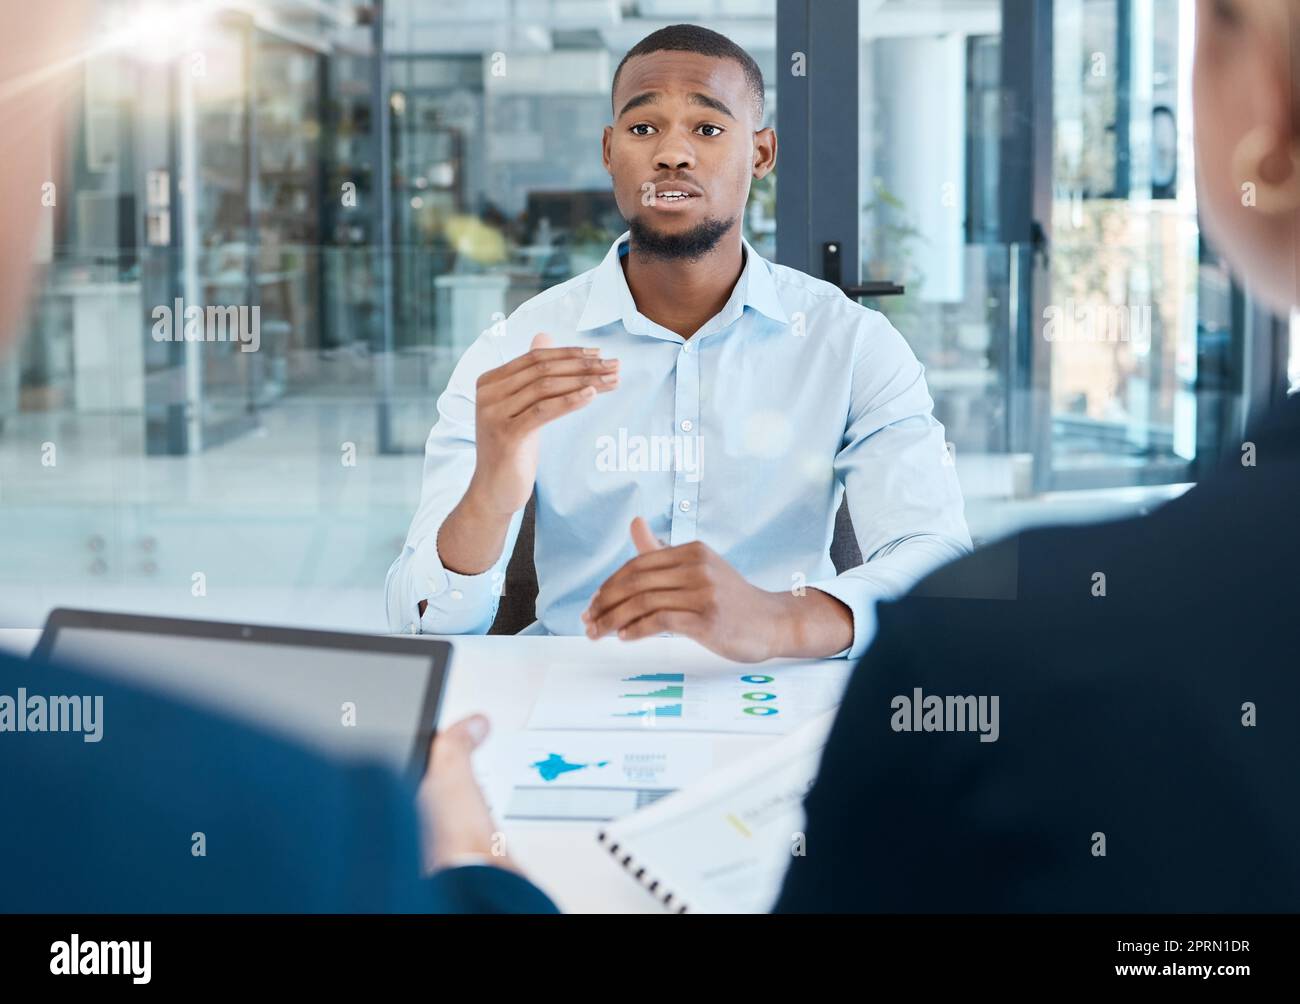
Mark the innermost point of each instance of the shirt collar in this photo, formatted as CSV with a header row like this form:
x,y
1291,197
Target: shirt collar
x,y
609,298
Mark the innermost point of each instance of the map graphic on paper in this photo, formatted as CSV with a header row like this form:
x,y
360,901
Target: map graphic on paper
x,y
552,775
555,766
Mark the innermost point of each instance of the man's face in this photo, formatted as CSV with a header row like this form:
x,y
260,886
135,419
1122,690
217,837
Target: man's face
x,y
684,123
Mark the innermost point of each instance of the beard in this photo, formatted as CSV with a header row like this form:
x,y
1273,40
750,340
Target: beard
x,y
689,245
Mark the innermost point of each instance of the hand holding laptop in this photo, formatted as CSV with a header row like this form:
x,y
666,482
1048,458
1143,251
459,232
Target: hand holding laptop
x,y
457,827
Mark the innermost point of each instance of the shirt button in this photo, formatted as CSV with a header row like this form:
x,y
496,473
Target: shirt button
x,y
686,347
687,425
409,629
456,594
684,505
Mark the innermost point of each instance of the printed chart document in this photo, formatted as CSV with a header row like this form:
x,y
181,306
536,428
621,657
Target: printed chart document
x,y
591,776
763,700
724,844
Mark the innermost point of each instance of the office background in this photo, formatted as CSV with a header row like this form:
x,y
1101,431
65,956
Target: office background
x,y
386,180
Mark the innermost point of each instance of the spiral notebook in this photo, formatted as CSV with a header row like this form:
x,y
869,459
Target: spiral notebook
x,y
723,845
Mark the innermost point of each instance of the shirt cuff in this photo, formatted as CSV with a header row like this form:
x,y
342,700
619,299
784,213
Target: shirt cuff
x,y
465,858
457,603
861,604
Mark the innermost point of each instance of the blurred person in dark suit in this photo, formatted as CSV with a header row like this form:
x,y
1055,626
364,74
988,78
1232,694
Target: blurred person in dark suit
x,y
1147,740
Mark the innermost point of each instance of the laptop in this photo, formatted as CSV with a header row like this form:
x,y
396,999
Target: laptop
x,y
351,695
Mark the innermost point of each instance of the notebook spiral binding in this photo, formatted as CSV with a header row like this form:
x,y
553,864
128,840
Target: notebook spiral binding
x,y
651,885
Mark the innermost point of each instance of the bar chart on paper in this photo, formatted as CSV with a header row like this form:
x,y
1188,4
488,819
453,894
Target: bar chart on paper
x,y
761,700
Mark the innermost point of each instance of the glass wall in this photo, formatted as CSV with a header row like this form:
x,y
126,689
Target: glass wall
x,y
354,222
930,105
1122,374
200,192
1125,247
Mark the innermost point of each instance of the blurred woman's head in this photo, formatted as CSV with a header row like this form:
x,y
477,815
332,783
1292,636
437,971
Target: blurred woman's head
x,y
38,45
1246,85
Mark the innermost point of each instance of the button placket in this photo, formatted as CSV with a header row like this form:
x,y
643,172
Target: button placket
x,y
686,416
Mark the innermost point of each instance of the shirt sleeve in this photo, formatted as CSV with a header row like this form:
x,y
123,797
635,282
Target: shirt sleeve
x,y
901,481
457,604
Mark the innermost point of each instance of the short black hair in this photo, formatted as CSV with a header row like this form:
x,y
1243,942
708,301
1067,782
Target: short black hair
x,y
693,38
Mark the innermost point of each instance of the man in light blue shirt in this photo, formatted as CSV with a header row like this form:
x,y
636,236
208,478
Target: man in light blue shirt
x,y
688,414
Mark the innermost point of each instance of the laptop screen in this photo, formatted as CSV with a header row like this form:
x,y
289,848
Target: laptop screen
x,y
344,702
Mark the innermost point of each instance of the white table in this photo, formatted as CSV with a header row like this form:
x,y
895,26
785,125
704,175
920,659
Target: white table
x,y
501,676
